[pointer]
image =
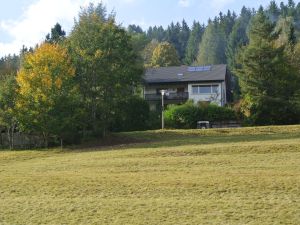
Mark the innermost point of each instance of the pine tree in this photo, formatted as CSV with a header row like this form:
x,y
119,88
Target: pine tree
x,y
212,47
183,40
266,77
193,43
238,37
57,34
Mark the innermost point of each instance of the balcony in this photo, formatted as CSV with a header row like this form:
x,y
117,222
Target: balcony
x,y
180,96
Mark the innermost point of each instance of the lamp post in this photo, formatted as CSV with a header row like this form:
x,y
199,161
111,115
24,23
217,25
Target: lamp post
x,y
163,93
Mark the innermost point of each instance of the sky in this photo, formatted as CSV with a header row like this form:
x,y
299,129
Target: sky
x,y
26,22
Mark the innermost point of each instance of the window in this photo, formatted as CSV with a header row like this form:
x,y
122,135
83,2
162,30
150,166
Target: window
x,y
215,89
205,89
195,89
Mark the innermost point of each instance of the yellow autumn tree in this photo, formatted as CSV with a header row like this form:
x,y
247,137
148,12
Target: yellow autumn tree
x,y
48,97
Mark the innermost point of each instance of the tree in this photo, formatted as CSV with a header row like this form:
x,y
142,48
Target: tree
x,y
56,35
238,36
9,65
107,69
268,81
286,32
193,43
48,100
273,12
8,97
134,29
148,52
157,33
183,39
212,46
165,55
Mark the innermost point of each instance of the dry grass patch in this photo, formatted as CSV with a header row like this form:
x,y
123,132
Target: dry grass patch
x,y
177,177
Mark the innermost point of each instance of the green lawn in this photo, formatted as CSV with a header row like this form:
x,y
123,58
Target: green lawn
x,y
237,176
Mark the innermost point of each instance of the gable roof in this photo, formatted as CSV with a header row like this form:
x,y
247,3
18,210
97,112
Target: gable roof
x,y
176,74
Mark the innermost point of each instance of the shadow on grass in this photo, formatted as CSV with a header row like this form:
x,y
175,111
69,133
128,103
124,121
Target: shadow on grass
x,y
176,138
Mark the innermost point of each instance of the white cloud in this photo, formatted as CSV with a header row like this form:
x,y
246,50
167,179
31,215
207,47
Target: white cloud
x,y
184,3
36,22
38,19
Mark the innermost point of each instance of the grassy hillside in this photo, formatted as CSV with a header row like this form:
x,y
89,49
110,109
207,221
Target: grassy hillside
x,y
237,176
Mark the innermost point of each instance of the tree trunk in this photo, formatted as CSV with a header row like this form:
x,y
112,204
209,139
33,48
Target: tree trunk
x,y
9,138
13,136
45,137
61,143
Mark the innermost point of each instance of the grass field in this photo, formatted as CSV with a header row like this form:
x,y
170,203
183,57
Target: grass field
x,y
238,176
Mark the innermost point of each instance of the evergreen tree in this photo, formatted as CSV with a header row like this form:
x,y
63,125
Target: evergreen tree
x,y
273,12
193,43
135,29
173,33
238,37
266,77
183,40
212,47
56,35
157,33
286,32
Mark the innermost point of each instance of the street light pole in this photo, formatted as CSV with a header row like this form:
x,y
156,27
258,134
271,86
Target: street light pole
x,y
163,92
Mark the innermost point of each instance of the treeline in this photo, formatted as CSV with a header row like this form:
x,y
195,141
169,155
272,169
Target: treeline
x,y
261,49
214,43
80,86
89,82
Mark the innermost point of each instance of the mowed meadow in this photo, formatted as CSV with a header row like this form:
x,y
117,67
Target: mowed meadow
x,y
221,176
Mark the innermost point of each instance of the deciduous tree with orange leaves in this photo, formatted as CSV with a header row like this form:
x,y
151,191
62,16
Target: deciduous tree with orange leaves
x,y
48,97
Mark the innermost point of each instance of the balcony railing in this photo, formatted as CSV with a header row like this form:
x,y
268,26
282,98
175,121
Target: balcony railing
x,y
172,96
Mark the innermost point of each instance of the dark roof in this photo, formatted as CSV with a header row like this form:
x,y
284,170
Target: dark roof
x,y
176,74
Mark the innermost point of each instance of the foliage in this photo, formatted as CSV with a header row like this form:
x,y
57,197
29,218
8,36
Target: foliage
x,y
193,43
107,69
132,114
148,52
185,116
267,77
57,34
178,35
212,46
48,99
164,55
9,65
8,96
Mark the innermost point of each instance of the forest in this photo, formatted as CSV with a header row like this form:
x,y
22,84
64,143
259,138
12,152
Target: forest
x,y
87,83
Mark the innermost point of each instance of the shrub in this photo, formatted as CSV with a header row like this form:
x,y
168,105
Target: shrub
x,y
132,115
185,116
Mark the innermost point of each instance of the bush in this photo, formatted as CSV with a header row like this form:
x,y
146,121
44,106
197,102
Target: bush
x,y
132,115
186,116
182,116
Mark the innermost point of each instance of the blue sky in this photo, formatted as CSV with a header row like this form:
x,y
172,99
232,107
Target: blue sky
x,y
26,22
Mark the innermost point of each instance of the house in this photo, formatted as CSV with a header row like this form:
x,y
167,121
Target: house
x,y
198,83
